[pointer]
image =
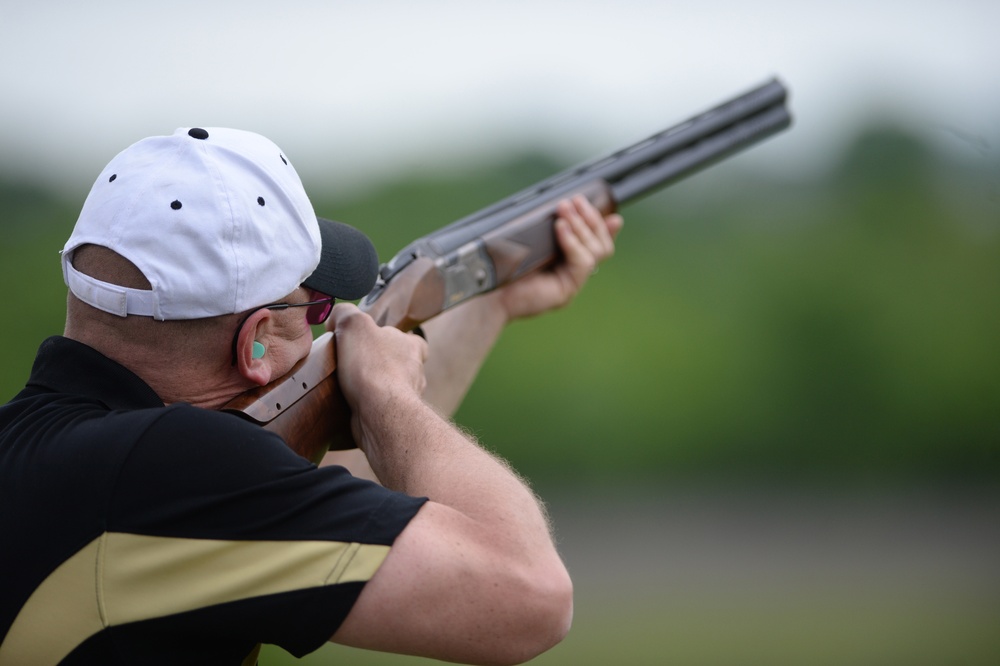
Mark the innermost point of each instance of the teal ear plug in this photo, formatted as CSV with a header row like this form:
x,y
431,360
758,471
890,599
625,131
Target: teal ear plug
x,y
258,350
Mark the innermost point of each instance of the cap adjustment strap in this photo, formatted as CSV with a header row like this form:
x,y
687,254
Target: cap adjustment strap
x,y
117,300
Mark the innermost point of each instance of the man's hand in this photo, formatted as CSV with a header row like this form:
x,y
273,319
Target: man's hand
x,y
460,338
376,365
586,238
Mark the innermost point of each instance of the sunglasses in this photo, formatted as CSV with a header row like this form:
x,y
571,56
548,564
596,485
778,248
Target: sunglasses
x,y
317,312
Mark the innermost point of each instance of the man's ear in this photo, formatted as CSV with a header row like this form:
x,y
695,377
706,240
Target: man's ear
x,y
255,367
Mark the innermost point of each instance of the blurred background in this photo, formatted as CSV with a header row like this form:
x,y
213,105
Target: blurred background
x,y
769,429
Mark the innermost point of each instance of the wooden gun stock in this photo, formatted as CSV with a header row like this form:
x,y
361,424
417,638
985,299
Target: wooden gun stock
x,y
496,246
305,407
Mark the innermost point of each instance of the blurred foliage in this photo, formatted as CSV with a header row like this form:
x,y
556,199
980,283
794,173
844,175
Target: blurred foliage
x,y
844,327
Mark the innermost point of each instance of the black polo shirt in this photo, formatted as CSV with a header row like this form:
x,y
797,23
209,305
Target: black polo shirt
x,y
141,534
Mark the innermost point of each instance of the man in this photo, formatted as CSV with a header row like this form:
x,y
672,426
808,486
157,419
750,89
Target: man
x,y
144,526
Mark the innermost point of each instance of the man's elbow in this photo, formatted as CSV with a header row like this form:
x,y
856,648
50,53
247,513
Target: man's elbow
x,y
545,615
559,609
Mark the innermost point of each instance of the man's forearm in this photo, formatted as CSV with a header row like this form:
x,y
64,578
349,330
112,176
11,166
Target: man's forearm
x,y
460,340
476,567
497,574
415,450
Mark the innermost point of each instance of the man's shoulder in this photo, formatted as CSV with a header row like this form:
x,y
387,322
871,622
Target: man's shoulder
x,y
203,435
214,475
183,419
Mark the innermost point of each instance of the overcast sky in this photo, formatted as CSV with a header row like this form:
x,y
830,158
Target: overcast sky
x,y
354,90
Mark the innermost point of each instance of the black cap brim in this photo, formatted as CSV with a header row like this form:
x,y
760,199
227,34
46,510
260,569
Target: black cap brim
x,y
348,263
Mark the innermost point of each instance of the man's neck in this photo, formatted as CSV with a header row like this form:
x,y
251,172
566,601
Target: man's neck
x,y
173,375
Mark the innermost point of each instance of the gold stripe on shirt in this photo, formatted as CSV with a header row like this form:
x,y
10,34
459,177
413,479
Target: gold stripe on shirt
x,y
121,578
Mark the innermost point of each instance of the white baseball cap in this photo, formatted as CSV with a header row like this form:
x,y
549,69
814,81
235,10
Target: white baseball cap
x,y
218,222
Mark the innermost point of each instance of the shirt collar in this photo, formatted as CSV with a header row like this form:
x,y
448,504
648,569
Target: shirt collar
x,y
67,366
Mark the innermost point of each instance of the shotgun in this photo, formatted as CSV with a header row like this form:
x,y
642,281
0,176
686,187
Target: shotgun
x,y
497,245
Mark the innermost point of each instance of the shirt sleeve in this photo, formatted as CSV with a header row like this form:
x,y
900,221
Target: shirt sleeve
x,y
250,536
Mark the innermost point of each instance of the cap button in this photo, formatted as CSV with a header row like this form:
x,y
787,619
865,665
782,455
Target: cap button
x,y
197,133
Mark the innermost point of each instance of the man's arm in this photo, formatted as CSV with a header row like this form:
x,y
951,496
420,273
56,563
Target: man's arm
x,y
462,337
475,576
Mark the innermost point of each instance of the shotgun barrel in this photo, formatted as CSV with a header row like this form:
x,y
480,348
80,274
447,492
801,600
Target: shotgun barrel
x,y
464,261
